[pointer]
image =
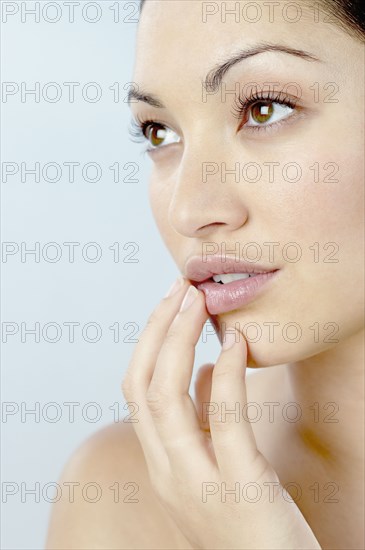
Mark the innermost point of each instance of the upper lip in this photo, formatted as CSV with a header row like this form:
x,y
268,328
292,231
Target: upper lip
x,y
198,270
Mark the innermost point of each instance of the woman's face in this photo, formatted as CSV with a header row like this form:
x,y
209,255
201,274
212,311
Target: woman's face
x,y
294,176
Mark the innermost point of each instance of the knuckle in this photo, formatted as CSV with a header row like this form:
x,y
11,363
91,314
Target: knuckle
x,y
219,426
153,318
157,401
150,323
172,336
222,422
221,373
127,386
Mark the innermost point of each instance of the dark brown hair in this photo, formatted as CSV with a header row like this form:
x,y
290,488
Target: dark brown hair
x,y
348,14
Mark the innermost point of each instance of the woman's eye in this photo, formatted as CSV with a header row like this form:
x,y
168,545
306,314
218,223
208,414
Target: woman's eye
x,y
160,136
267,112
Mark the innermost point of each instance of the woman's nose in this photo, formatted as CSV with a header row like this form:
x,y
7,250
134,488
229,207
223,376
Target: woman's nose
x,y
207,196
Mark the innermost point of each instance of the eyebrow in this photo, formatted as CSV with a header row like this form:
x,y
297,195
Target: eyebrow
x,y
215,75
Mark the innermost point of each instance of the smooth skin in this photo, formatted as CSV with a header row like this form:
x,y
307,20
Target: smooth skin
x,y
168,452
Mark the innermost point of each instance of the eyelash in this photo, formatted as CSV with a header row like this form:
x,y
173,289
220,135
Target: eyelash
x,y
138,127
242,105
241,108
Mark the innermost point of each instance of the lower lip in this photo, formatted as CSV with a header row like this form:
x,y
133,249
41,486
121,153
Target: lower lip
x,y
221,298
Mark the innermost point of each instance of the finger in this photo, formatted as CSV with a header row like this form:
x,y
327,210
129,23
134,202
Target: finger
x,y
203,387
232,435
139,374
171,406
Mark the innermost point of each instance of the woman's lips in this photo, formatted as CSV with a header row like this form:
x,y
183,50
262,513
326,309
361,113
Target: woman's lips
x,y
221,298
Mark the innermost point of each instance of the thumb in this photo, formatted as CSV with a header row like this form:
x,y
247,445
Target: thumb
x,y
203,387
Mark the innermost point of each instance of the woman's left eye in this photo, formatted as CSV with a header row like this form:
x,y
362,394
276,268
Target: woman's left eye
x,y
266,113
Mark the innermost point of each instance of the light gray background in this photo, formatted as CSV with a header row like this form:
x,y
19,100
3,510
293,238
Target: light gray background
x,y
105,212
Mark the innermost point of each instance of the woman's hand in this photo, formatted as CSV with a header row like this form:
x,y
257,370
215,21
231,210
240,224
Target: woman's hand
x,y
202,479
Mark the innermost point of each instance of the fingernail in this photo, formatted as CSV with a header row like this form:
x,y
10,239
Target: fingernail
x,y
190,296
229,340
175,287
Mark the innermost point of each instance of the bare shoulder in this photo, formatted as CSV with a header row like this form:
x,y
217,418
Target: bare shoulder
x,y
107,500
113,504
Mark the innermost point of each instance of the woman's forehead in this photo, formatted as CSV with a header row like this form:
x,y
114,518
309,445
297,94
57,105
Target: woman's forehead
x,y
184,40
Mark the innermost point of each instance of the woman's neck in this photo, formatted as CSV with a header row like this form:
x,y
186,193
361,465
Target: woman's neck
x,y
329,387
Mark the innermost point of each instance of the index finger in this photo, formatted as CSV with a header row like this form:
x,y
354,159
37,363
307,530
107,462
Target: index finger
x,y
141,367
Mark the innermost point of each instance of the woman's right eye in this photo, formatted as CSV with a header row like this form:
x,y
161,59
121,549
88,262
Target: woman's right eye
x,y
159,135
155,133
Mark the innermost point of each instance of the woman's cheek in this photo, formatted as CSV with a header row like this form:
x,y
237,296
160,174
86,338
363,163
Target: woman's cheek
x,y
160,197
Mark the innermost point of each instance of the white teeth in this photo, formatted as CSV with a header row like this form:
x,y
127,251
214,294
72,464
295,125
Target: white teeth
x,y
230,277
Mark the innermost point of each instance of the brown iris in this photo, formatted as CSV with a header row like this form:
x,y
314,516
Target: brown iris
x,y
262,112
153,133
